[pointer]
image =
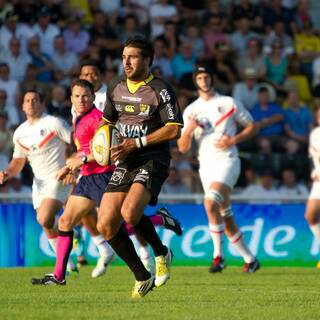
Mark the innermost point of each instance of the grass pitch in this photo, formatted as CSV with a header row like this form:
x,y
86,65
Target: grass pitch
x,y
191,293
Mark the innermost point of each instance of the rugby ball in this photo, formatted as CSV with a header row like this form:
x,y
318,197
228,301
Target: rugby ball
x,y
104,138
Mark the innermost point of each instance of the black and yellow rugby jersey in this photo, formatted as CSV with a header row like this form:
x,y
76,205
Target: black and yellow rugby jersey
x,y
140,109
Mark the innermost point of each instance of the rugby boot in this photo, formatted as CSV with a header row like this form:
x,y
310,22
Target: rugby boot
x,y
252,266
217,265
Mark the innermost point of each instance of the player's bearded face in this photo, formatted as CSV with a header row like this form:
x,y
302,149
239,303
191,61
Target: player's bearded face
x,y
204,82
135,66
82,99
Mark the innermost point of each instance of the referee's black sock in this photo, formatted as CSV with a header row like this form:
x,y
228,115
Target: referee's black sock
x,y
124,248
146,229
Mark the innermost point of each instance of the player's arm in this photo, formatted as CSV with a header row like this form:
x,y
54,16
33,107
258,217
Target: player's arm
x,y
164,134
245,120
14,168
185,141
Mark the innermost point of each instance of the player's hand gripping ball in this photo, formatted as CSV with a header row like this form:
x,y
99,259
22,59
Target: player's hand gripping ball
x,y
105,137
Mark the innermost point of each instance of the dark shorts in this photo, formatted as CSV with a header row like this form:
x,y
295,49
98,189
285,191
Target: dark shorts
x,y
92,187
150,173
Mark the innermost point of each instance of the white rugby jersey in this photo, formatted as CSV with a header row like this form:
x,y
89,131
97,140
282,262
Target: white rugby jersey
x,y
314,149
99,101
216,117
43,144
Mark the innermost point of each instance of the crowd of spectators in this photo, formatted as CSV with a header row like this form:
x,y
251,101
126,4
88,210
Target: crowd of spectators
x,y
266,54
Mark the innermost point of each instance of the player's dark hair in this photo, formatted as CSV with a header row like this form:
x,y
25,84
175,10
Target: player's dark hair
x,y
40,95
91,63
82,83
140,42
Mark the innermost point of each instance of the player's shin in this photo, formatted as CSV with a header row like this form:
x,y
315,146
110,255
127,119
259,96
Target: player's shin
x,y
217,232
238,242
64,247
146,229
124,248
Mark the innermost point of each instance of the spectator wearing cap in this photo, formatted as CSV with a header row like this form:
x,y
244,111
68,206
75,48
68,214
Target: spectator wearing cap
x,y
298,122
76,38
269,118
46,31
16,60
253,60
246,91
241,36
65,62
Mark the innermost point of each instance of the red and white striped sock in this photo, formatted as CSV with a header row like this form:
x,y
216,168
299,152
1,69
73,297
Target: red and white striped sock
x,y
216,232
238,242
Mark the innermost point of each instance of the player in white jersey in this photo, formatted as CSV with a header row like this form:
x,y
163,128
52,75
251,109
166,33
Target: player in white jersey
x,y
313,203
41,140
212,119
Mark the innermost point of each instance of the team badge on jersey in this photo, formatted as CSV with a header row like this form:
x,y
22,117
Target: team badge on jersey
x,y
43,132
144,109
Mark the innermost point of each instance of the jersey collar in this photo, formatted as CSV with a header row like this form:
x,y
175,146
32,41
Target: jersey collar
x,y
133,87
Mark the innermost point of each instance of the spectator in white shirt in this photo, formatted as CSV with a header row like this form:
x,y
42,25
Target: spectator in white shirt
x,y
46,31
16,60
160,13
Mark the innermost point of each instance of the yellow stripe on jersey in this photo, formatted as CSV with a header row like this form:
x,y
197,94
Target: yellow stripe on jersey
x,y
133,86
108,121
174,124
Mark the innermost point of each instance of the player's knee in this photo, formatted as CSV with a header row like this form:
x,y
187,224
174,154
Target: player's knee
x,y
106,228
214,196
130,215
227,212
311,218
45,221
66,223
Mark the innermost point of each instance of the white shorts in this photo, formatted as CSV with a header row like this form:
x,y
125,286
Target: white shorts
x,y
51,189
315,190
226,171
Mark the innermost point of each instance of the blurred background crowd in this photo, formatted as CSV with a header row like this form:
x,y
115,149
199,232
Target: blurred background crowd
x,y
265,54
